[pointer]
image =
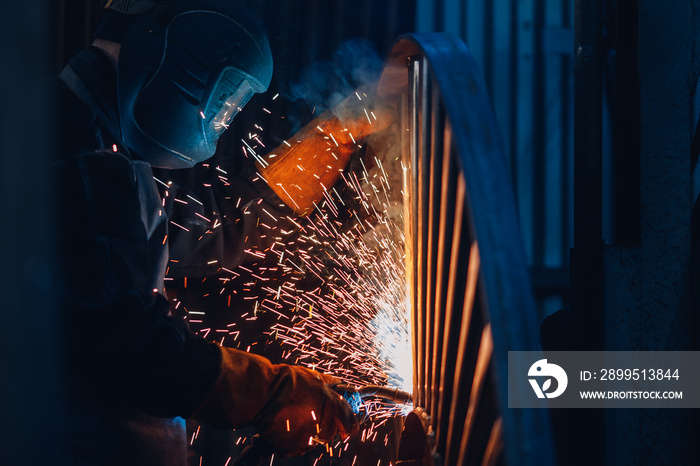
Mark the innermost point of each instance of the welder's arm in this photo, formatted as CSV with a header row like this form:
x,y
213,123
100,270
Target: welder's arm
x,y
313,159
121,341
292,407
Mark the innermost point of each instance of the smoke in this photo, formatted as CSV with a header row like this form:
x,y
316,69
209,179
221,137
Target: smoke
x,y
324,84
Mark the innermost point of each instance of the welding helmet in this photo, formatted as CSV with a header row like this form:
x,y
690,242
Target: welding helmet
x,y
186,68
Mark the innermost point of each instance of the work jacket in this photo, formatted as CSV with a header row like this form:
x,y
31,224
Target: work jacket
x,y
134,371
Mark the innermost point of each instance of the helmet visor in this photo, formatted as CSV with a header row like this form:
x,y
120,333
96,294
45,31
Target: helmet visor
x,y
229,104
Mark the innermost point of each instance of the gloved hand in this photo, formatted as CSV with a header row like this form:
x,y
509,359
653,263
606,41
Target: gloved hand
x,y
292,407
300,170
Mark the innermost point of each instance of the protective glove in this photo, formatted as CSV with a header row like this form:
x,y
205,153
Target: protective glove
x,y
292,407
311,162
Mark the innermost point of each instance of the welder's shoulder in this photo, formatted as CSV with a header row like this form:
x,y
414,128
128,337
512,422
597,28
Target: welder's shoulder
x,y
74,128
86,171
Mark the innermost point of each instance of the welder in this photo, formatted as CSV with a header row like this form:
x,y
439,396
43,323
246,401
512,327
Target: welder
x,y
159,85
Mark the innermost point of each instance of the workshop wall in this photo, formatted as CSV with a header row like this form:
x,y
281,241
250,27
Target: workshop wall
x,y
525,50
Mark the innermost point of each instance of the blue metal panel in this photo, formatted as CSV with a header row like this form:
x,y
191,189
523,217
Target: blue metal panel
x,y
453,11
558,128
476,30
524,49
425,16
523,157
501,84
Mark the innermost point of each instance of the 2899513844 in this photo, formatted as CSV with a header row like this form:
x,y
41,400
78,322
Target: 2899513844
x,y
639,374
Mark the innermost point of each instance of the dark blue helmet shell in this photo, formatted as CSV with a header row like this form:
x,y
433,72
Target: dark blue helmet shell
x,y
185,69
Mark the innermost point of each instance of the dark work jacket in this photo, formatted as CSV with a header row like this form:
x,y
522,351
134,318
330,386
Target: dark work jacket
x,y
134,371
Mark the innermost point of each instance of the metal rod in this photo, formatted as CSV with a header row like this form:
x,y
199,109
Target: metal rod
x,y
424,196
480,381
414,109
539,163
430,269
464,366
449,182
565,146
454,311
436,153
626,126
494,447
586,265
407,179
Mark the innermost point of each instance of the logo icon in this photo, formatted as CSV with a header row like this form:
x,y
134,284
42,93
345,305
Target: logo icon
x,y
544,369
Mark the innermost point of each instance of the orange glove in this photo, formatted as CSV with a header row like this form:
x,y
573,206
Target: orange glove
x,y
300,171
292,407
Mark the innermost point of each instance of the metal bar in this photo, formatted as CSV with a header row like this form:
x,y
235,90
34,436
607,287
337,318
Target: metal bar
x,y
416,228
524,124
626,126
438,15
488,41
586,256
449,182
414,69
486,414
513,86
403,118
566,134
480,380
436,160
431,257
393,13
464,367
452,338
494,446
500,85
588,143
424,206
538,138
425,15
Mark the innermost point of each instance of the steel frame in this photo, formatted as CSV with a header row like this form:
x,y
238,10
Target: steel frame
x,y
469,287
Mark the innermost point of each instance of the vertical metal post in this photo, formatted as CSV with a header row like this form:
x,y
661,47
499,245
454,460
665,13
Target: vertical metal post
x,y
415,225
539,165
435,253
425,118
445,241
586,257
454,307
626,129
586,269
567,113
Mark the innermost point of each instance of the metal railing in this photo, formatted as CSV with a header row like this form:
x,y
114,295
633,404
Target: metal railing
x,y
469,288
